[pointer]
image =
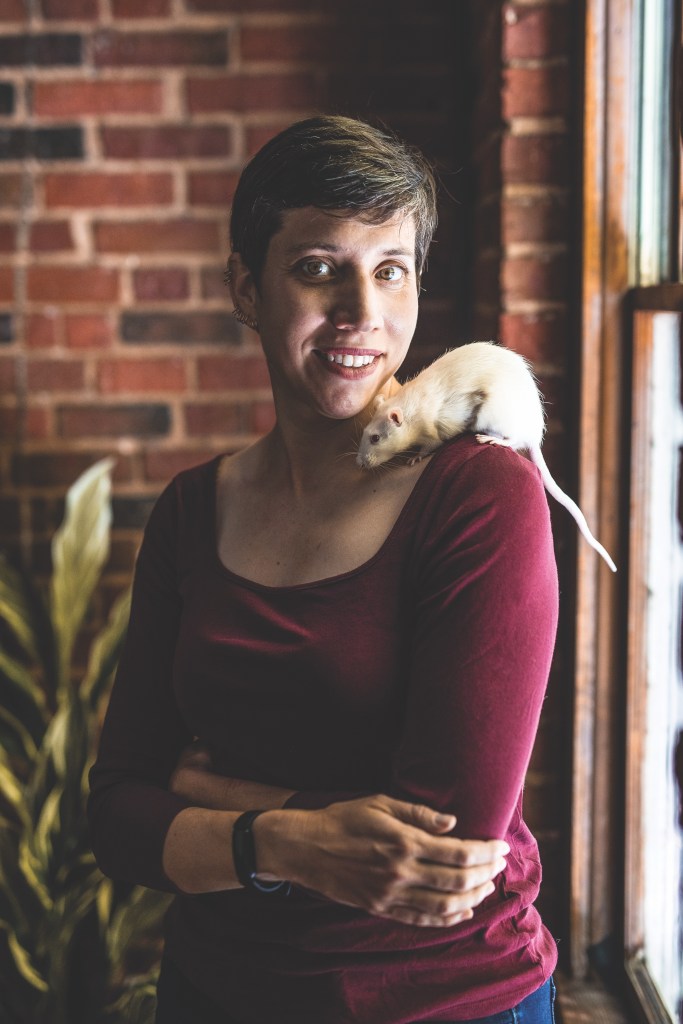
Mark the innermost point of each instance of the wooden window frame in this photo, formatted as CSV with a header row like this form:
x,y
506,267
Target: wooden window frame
x,y
604,806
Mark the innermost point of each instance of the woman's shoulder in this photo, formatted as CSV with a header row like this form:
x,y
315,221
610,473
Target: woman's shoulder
x,y
494,470
489,485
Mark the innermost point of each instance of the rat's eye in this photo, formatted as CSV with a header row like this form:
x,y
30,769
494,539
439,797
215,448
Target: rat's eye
x,y
374,439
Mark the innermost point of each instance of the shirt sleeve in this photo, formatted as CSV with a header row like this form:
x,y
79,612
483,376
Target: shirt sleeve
x,y
485,616
484,632
130,808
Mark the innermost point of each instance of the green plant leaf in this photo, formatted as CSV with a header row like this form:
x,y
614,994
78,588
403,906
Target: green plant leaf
x,y
137,1003
80,548
30,866
23,961
105,651
15,737
15,607
13,673
12,791
142,911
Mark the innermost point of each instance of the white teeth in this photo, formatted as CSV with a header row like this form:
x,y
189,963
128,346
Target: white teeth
x,y
349,360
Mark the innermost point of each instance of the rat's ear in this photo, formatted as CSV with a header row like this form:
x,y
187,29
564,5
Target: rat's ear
x,y
377,402
396,416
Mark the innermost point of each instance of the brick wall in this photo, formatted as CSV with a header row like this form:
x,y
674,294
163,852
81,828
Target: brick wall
x,y
526,175
123,127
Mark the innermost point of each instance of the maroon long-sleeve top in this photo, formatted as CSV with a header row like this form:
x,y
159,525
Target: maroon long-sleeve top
x,y
420,674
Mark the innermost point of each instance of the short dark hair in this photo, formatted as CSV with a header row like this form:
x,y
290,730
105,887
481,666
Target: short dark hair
x,y
333,163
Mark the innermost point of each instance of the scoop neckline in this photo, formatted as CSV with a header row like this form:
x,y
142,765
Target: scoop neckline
x,y
324,581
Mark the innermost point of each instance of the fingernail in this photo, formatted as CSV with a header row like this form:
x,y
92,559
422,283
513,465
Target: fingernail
x,y
444,819
501,864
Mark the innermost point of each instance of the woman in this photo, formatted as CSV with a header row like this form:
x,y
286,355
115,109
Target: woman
x,y
361,656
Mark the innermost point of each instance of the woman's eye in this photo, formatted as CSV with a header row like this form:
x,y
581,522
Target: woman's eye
x,y
391,273
316,268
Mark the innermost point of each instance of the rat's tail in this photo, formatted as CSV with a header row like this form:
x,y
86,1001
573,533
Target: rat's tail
x,y
553,488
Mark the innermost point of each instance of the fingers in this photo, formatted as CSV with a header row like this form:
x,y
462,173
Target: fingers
x,y
420,816
457,880
429,909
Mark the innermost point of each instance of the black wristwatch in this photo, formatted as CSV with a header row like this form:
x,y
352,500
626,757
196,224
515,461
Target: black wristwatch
x,y
244,857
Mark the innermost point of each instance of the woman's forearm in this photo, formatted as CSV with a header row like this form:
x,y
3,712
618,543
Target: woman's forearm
x,y
217,792
384,856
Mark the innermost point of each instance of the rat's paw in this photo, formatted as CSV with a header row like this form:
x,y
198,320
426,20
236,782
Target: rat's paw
x,y
491,439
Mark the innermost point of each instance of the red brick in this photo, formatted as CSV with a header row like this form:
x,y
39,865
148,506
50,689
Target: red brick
x,y
8,237
161,49
536,92
114,421
122,555
41,330
214,418
213,284
164,463
543,278
173,142
88,331
76,98
536,32
540,337
257,135
74,10
212,188
161,283
140,8
55,375
225,373
224,6
8,375
6,284
50,236
298,42
262,417
157,236
13,10
72,284
102,189
10,190
52,468
250,92
142,375
33,424
535,219
536,159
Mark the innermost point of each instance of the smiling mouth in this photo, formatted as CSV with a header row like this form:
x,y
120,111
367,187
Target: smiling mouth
x,y
348,359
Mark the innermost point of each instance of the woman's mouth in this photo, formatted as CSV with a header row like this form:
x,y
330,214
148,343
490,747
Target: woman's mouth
x,y
348,360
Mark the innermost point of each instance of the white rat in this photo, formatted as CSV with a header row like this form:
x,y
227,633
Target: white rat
x,y
480,387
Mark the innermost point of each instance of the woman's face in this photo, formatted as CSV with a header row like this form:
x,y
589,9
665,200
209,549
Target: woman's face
x,y
336,307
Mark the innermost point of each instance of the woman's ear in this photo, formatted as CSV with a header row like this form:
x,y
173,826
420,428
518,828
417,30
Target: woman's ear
x,y
242,289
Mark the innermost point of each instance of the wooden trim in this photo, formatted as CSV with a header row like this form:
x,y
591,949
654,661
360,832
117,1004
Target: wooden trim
x,y
659,298
596,843
636,677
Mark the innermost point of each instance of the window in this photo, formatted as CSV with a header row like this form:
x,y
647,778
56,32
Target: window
x,y
626,843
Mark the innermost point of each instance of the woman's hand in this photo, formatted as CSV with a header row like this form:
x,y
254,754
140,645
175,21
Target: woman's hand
x,y
388,857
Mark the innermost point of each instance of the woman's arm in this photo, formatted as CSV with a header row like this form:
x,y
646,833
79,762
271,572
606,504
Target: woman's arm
x,y
365,855
484,632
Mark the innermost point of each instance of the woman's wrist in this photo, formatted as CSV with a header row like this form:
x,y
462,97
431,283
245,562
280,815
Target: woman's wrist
x,y
277,835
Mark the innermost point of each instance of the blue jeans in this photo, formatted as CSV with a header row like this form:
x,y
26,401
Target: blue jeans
x,y
179,1002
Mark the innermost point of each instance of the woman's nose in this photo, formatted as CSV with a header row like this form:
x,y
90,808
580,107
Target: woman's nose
x,y
357,307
